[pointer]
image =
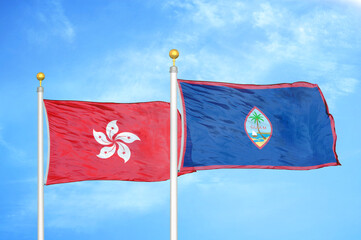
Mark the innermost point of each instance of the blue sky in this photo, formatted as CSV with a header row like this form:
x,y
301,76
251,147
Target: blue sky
x,y
118,51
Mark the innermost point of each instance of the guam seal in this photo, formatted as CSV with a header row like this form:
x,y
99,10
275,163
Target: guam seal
x,y
258,127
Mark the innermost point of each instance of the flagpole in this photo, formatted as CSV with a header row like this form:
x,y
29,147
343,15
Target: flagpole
x,y
40,76
173,148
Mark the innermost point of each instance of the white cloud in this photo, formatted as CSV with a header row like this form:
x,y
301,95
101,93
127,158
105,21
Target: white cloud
x,y
312,44
83,206
249,44
211,13
13,150
134,75
86,204
348,85
303,41
52,22
267,16
335,88
356,3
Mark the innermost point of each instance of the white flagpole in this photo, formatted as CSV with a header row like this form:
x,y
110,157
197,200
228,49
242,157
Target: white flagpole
x,y
173,148
40,76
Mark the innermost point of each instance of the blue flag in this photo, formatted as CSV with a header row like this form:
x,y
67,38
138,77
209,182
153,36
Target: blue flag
x,y
280,126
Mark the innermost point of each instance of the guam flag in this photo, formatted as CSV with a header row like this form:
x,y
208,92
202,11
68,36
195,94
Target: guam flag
x,y
280,126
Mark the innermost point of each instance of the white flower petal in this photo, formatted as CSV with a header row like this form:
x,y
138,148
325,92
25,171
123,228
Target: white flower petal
x,y
107,152
123,151
112,129
127,137
101,138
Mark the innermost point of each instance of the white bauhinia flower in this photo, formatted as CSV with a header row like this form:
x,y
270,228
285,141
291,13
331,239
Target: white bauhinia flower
x,y
108,151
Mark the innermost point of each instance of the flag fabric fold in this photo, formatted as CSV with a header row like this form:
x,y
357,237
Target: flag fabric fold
x,y
280,126
108,141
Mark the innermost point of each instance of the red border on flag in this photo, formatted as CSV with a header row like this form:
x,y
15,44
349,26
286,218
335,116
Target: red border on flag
x,y
256,86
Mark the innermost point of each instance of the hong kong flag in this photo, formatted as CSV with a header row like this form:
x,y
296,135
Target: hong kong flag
x,y
108,141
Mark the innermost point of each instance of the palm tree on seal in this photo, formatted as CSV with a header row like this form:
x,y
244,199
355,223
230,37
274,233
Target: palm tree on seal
x,y
257,118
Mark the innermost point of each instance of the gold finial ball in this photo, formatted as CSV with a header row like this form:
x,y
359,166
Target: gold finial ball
x,y
173,53
40,76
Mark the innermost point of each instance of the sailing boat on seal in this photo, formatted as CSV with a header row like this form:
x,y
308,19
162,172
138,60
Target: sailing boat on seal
x,y
254,134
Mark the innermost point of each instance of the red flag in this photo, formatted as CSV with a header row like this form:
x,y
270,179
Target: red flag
x,y
108,141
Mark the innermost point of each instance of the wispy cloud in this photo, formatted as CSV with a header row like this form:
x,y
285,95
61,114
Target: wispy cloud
x,y
136,75
335,88
52,21
96,201
234,42
313,45
309,42
210,13
221,187
267,16
84,205
356,3
10,150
